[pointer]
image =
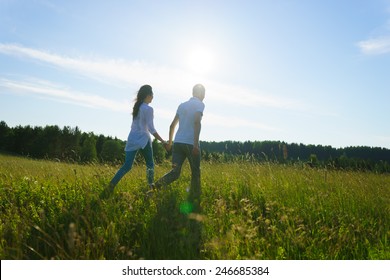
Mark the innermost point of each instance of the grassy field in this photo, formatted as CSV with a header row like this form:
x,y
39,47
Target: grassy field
x,y
52,210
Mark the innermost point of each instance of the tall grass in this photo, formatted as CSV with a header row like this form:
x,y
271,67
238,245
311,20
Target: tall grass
x,y
52,210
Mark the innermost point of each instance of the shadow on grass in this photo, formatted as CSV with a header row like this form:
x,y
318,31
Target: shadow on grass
x,y
159,227
174,232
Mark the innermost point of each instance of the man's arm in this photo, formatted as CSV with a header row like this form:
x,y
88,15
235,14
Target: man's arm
x,y
197,127
172,130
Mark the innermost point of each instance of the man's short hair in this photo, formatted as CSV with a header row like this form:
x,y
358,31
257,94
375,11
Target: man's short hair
x,y
198,91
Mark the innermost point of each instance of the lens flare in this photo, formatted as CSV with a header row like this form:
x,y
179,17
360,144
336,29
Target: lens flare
x,y
186,207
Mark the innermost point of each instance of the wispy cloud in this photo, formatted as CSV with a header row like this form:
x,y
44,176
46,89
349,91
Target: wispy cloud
x,y
173,82
242,96
45,89
375,46
170,82
102,70
235,122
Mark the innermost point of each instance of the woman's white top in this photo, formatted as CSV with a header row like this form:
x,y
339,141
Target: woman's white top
x,y
141,128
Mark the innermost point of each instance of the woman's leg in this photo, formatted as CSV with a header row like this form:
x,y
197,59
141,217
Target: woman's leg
x,y
126,167
147,152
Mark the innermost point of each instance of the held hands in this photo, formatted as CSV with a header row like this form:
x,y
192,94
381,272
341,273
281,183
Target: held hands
x,y
167,146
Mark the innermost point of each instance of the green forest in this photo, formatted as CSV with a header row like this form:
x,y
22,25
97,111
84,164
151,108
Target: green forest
x,y
72,145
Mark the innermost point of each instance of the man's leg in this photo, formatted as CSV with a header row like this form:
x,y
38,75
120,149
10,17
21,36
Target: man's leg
x,y
195,191
178,158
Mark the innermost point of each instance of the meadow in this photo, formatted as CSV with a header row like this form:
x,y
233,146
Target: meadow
x,y
53,210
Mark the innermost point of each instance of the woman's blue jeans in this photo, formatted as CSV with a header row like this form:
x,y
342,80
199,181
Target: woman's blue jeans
x,y
147,153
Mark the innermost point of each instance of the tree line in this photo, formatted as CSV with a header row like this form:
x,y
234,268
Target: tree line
x,y
354,158
66,144
71,144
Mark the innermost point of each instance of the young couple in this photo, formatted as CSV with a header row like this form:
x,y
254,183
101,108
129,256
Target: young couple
x,y
185,144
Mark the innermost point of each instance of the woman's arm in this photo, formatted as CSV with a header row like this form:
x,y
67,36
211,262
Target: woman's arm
x,y
150,124
158,137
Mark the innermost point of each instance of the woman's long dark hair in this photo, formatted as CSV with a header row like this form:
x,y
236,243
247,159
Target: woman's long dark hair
x,y
143,92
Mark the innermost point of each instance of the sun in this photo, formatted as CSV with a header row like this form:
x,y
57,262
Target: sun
x,y
201,60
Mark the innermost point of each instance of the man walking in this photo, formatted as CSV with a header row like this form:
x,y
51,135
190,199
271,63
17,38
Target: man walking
x,y
186,143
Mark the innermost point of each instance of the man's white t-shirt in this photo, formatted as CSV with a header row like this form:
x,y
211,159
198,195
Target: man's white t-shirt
x,y
186,112
141,128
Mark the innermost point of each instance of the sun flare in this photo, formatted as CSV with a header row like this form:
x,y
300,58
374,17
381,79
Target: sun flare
x,y
200,60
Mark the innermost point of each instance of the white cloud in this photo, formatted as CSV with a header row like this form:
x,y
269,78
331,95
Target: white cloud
x,y
242,96
172,82
107,69
168,82
45,89
116,72
375,46
234,122
48,90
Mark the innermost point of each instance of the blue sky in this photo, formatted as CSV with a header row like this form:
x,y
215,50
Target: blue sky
x,y
304,71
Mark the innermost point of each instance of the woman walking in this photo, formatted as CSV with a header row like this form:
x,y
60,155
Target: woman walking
x,y
139,138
